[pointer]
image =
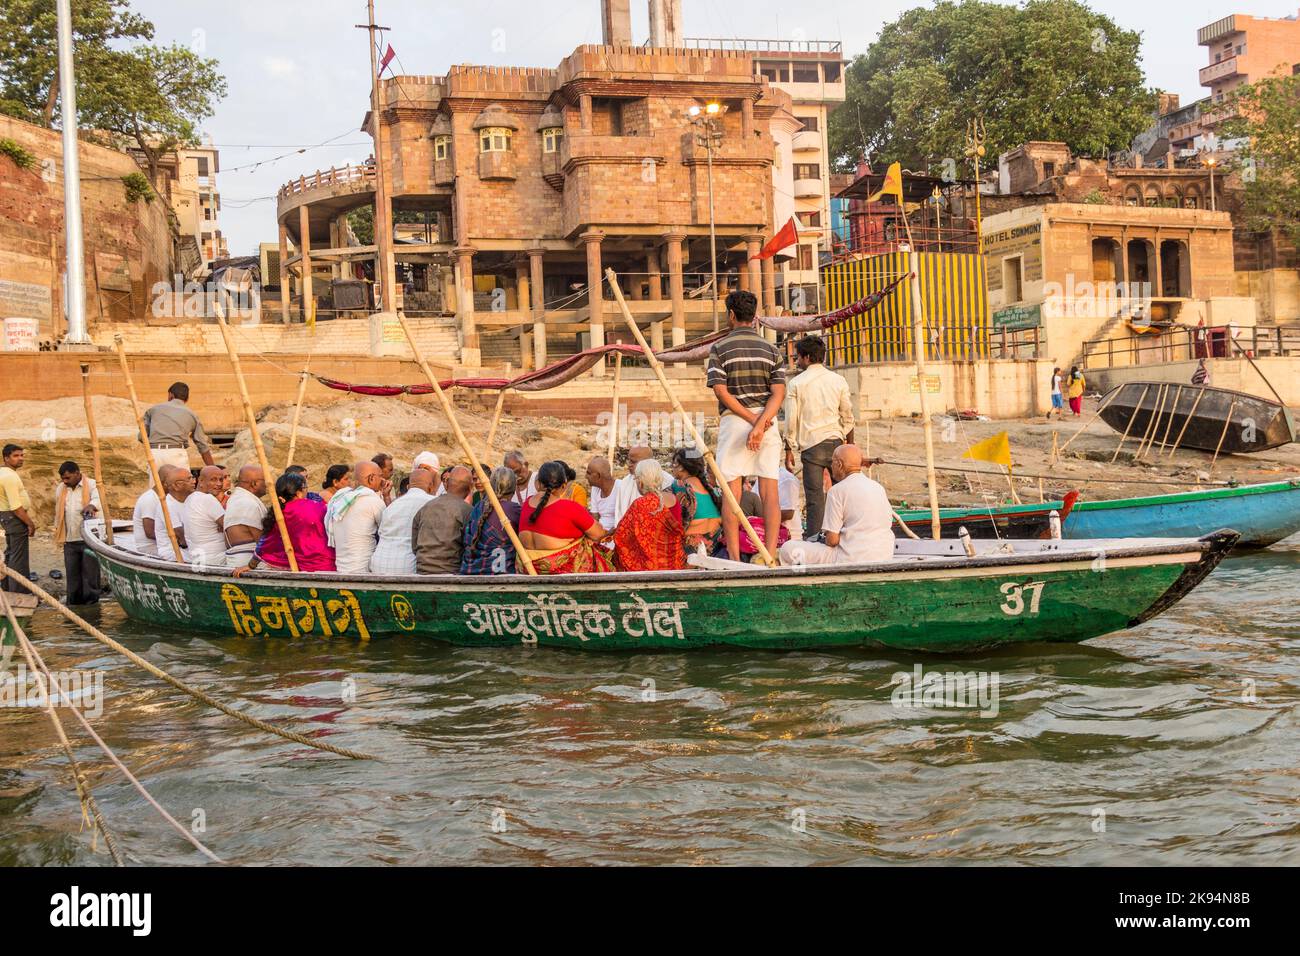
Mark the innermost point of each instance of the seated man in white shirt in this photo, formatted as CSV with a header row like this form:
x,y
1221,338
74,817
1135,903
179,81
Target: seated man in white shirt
x,y
857,520
394,554
352,520
146,518
245,516
601,501
179,484
204,519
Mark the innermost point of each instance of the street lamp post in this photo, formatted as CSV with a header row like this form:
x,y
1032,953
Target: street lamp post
x,y
1212,161
708,135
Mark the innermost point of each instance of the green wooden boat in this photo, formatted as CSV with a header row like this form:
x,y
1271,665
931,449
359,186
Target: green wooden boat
x,y
932,597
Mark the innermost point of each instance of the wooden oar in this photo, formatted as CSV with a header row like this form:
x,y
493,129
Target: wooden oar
x,y
1169,424
158,488
709,460
1097,414
1227,423
1127,428
94,454
496,414
297,414
1153,426
257,439
521,553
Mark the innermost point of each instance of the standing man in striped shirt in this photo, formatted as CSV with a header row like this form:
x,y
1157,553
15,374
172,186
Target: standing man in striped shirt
x,y
747,374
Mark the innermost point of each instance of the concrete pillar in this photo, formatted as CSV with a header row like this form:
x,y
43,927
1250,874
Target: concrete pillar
x,y
449,297
676,290
523,303
584,112
747,119
284,274
304,234
616,22
539,307
470,353
666,23
753,245
1158,271
595,294
742,278
769,287
656,285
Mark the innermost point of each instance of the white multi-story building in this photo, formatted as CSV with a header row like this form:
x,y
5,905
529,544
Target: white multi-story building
x,y
811,72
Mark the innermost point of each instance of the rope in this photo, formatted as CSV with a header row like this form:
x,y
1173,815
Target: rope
x,y
180,685
1081,481
84,795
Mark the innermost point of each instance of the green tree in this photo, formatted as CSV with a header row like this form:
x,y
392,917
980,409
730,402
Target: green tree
x,y
1049,70
29,56
1269,119
155,98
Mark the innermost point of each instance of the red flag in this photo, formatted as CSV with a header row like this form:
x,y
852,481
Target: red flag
x,y
787,236
386,59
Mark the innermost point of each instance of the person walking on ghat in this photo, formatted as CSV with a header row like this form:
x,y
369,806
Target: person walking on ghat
x,y
171,426
1076,388
818,419
15,518
1058,397
747,374
76,499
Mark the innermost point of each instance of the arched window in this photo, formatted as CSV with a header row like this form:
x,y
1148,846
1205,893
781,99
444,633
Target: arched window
x,y
551,139
441,147
494,139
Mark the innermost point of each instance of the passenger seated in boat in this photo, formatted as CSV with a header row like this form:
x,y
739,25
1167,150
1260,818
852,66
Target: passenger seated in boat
x,y
245,516
560,534
337,478
146,519
625,489
572,490
180,485
857,519
304,519
394,554
650,536
352,520
204,519
704,523
751,506
438,529
487,547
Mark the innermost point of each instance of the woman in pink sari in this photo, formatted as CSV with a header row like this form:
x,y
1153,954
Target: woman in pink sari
x,y
304,519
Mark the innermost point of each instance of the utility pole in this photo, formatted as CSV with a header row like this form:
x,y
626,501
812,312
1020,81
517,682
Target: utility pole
x,y
710,137
75,299
385,267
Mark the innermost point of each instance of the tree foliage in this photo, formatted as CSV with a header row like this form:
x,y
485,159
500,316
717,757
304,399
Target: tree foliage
x,y
1269,119
29,55
1050,70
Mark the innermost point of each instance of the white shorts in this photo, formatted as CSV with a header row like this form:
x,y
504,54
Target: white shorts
x,y
177,457
734,457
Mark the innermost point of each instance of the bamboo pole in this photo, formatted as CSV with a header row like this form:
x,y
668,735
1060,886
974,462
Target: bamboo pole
x,y
918,339
1097,414
1153,426
613,428
94,454
1222,435
257,439
158,488
521,552
496,415
297,414
1011,483
658,368
1169,423
1056,449
1188,421
1127,428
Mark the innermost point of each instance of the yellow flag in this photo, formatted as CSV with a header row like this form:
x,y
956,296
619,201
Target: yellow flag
x,y
893,185
996,449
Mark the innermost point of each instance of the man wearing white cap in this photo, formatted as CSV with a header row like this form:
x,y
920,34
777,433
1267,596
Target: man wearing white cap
x,y
429,462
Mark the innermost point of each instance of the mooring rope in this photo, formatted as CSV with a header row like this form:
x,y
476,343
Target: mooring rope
x,y
1066,479
84,794
180,685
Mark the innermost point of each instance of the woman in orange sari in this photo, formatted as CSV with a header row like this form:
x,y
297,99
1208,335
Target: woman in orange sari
x,y
649,538
559,534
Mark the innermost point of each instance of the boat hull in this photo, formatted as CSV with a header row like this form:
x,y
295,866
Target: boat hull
x,y
1262,514
1257,424
1003,521
944,605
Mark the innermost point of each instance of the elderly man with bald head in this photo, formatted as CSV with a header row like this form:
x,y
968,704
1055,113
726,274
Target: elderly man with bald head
x,y
438,530
146,518
353,518
245,516
857,519
179,484
204,520
600,475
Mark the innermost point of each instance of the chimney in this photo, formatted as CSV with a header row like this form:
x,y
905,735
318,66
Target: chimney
x,y
616,22
666,23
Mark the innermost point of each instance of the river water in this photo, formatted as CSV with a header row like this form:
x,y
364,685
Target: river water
x,y
1174,743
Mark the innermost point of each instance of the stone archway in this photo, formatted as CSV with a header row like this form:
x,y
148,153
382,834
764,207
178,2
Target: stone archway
x,y
1175,270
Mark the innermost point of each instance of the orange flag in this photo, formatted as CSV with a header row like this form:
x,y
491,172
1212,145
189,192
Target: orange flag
x,y
788,235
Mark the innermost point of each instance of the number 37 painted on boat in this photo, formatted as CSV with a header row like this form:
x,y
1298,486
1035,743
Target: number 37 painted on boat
x,y
1014,605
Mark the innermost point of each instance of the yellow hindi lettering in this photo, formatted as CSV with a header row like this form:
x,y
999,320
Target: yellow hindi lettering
x,y
240,608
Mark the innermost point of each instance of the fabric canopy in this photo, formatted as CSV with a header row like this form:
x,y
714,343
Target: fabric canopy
x,y
569,368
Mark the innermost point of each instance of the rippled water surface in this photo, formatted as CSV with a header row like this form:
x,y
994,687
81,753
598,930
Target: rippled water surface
x,y
540,756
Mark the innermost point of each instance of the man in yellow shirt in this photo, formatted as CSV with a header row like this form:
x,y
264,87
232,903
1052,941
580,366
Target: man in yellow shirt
x,y
15,517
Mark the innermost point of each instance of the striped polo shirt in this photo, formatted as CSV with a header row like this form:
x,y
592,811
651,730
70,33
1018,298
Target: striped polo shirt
x,y
748,364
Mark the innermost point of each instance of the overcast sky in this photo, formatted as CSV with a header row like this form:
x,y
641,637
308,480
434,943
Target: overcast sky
x,y
298,71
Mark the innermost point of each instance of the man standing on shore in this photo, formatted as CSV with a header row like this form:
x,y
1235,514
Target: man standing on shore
x,y
15,518
77,499
818,419
747,374
171,426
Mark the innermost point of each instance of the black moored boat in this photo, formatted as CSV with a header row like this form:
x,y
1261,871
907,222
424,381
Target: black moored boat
x,y
1203,416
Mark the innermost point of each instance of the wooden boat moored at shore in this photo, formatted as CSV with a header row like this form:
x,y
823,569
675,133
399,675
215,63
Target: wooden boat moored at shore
x,y
931,597
1200,415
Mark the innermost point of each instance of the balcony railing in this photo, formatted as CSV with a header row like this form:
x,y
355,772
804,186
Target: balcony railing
x,y
1181,344
763,45
334,176
1219,71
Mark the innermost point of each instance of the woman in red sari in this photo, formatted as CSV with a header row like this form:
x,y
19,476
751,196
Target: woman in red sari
x,y
559,534
304,519
649,538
